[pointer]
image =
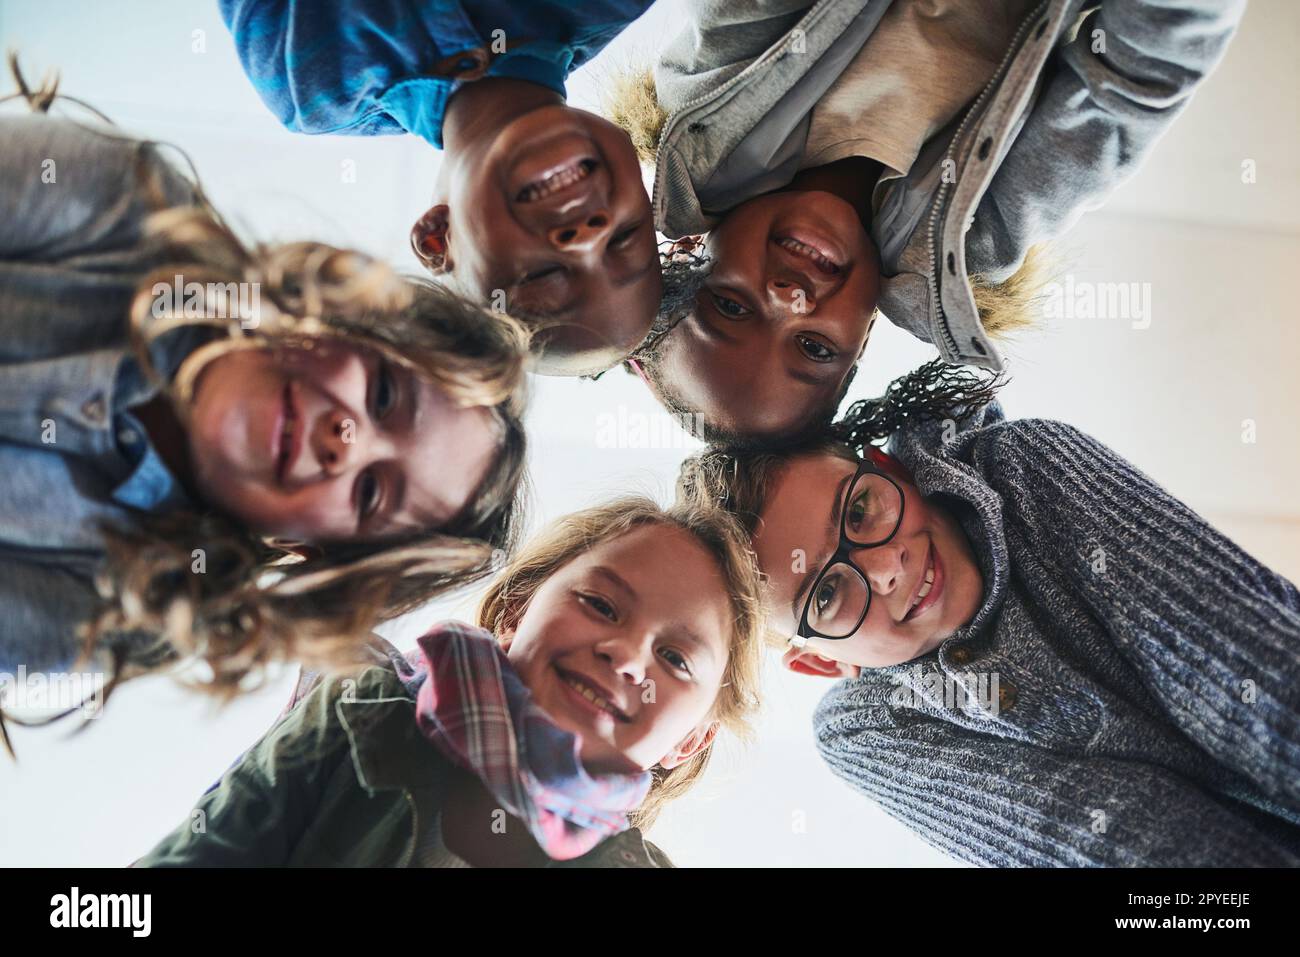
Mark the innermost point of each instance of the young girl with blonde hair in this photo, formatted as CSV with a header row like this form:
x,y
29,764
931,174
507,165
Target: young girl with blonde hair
x,y
220,452
604,660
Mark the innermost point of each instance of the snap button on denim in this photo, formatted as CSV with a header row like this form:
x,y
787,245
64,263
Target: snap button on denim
x,y
94,409
465,65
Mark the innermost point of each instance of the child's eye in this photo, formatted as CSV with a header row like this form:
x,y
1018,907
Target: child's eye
x,y
600,606
623,237
729,307
825,597
859,509
814,350
385,391
539,274
676,659
367,493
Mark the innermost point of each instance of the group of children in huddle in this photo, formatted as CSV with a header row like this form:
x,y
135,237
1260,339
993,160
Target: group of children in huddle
x,y
235,486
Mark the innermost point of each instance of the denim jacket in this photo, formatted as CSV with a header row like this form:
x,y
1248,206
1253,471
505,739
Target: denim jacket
x,y
72,201
1083,94
345,779
371,67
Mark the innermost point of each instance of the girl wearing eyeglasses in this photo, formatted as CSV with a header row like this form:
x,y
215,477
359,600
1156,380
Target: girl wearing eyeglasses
x,y
1048,660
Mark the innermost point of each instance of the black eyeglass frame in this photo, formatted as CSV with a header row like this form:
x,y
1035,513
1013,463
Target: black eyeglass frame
x,y
841,556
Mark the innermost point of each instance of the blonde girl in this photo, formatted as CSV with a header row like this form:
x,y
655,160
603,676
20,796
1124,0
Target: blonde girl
x,y
604,661
225,453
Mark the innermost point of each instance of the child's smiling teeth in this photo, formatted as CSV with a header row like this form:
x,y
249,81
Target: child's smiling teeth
x,y
582,689
927,585
556,181
803,249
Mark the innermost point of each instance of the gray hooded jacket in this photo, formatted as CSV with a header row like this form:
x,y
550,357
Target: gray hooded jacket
x,y
1079,100
1127,694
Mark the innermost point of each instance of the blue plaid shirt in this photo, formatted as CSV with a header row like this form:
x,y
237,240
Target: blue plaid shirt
x,y
375,67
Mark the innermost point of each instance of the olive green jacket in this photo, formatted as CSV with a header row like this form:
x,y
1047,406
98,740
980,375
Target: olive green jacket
x,y
346,779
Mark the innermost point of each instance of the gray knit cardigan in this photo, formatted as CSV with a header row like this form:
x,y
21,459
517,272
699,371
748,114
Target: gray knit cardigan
x,y
1128,693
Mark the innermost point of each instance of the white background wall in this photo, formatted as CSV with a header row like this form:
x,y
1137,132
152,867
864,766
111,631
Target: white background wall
x,y
1220,256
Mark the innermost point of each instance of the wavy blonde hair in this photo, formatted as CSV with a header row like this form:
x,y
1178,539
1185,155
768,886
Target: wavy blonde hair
x,y
738,697
258,600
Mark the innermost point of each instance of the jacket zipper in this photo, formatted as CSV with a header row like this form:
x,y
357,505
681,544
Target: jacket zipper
x,y
933,279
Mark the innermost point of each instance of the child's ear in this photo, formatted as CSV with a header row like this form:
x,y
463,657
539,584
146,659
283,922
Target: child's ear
x,y
804,662
429,239
691,745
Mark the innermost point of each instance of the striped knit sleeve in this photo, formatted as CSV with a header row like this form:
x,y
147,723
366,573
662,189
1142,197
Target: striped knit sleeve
x,y
1214,635
1000,803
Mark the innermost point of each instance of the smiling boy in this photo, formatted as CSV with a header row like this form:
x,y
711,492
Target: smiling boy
x,y
539,208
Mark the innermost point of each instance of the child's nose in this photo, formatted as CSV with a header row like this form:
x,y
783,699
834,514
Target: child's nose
x,y
581,233
884,566
791,297
336,441
624,656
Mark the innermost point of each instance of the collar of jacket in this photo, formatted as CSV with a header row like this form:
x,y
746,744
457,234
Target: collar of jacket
x,y
921,226
70,402
703,130
419,104
390,754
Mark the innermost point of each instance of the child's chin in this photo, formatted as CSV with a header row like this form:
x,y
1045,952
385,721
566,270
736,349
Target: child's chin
x,y
604,761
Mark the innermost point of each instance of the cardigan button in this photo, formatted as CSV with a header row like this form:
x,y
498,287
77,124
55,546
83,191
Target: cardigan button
x,y
1006,695
959,655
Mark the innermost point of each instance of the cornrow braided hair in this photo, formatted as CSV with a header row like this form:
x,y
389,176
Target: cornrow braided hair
x,y
933,392
684,271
